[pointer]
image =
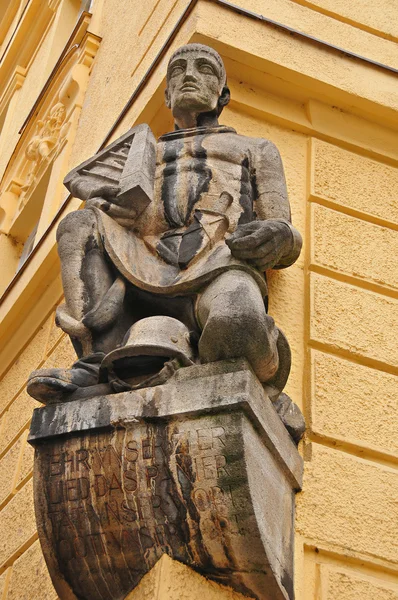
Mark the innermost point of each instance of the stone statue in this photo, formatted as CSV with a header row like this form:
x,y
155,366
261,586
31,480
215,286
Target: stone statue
x,y
162,438
171,272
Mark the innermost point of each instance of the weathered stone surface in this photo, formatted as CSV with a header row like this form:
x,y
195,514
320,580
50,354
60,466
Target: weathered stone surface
x,y
290,416
215,218
142,450
128,164
223,384
170,470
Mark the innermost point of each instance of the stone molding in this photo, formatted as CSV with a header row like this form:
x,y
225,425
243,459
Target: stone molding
x,y
49,130
15,83
35,20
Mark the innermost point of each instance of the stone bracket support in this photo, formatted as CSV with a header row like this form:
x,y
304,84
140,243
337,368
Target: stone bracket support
x,y
200,468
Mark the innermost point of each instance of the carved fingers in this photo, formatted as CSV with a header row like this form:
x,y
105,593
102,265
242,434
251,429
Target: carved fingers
x,y
123,215
106,191
261,243
84,188
69,324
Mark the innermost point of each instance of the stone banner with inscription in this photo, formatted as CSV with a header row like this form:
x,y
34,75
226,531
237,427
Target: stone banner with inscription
x,y
201,468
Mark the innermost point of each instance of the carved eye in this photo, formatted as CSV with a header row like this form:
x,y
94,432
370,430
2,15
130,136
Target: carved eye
x,y
207,69
177,70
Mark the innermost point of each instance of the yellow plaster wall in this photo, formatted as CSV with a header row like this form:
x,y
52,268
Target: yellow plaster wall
x,y
331,118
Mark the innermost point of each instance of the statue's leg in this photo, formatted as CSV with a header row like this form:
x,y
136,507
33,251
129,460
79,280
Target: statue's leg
x,y
232,315
93,311
93,294
86,276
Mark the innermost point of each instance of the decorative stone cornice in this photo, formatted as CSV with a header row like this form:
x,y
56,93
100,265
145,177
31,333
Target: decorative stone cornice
x,y
19,51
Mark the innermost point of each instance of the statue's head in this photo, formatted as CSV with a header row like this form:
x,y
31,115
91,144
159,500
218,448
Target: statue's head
x,y
196,81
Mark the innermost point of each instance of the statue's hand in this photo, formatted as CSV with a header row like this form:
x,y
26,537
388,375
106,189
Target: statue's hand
x,y
84,187
262,243
104,197
123,215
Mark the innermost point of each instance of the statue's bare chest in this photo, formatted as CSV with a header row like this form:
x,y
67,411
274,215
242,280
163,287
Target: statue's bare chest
x,y
199,154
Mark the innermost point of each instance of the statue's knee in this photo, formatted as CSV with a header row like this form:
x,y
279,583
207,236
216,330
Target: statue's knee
x,y
76,225
241,326
241,329
233,295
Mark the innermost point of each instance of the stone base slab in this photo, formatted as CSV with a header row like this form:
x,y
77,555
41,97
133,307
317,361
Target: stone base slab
x,y
201,469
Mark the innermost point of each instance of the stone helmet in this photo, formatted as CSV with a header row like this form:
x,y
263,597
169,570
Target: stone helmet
x,y
148,349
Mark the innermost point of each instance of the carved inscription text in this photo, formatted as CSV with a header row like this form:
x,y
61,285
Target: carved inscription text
x,y
112,503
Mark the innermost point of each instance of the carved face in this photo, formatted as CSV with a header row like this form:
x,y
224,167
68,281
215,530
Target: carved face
x,y
194,83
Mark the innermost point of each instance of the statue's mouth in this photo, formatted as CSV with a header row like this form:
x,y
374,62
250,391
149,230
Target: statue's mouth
x,y
189,88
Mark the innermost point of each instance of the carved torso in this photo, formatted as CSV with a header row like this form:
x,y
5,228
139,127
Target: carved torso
x,y
192,172
207,182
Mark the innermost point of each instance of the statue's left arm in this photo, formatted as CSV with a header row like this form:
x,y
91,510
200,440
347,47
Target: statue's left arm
x,y
271,241
103,196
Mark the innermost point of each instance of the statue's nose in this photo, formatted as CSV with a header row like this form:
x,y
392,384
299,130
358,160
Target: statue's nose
x,y
190,74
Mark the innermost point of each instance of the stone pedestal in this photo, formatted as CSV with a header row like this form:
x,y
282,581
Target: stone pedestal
x,y
200,468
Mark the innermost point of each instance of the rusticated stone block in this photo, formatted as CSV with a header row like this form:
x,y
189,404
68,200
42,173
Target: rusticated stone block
x,y
357,499
201,469
63,354
354,181
354,247
17,523
8,466
342,584
29,578
338,319
353,403
16,418
17,375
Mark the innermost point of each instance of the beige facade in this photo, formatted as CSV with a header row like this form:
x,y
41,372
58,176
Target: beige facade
x,y
73,78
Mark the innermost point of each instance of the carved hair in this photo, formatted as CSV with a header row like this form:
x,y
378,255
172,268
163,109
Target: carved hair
x,y
201,48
